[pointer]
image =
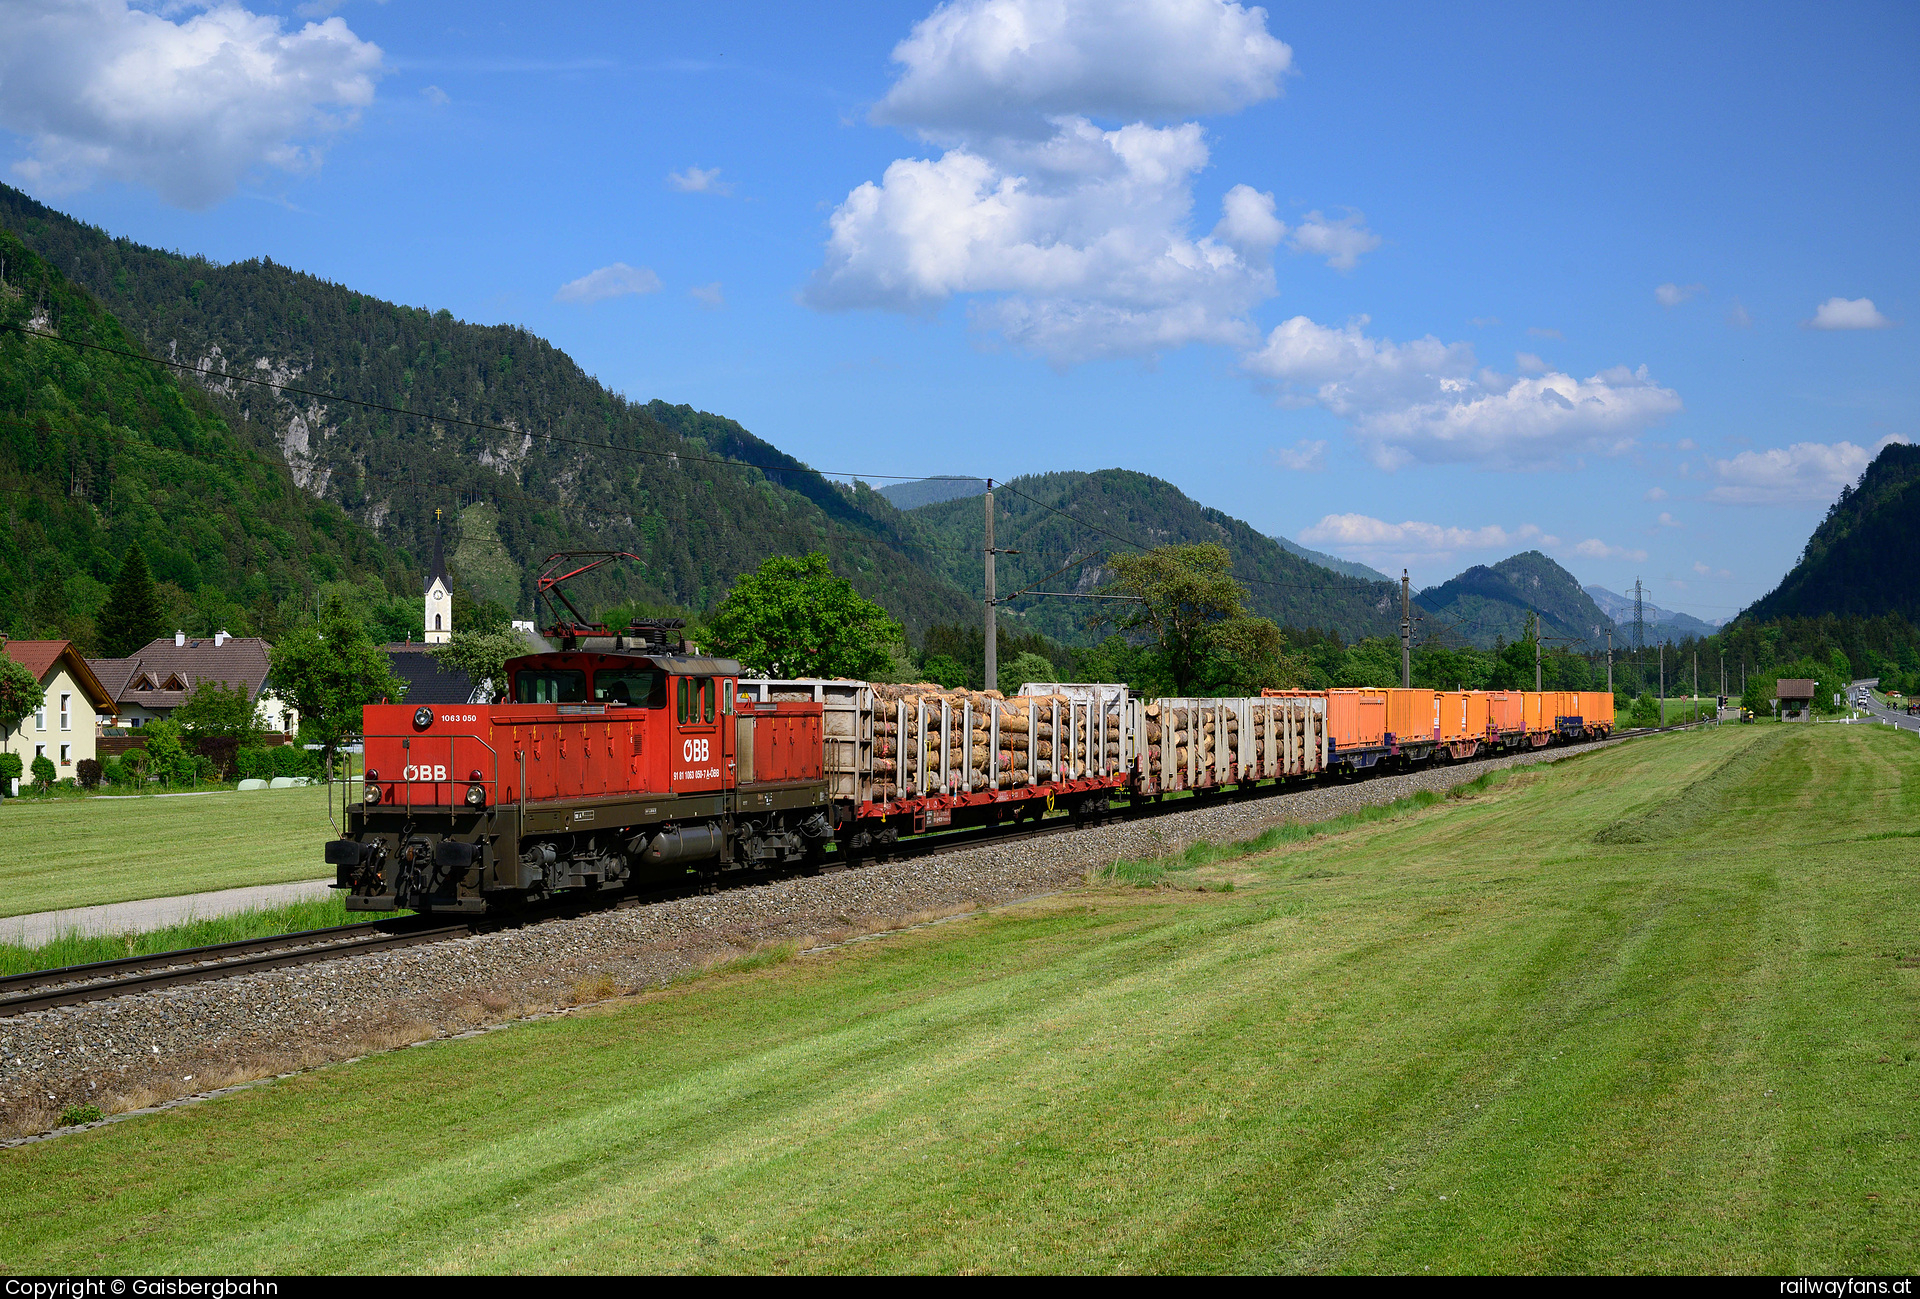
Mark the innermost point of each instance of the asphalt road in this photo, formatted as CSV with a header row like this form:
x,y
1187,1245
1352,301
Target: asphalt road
x,y
1904,722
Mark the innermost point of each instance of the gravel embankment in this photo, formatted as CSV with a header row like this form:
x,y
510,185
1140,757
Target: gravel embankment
x,y
137,1050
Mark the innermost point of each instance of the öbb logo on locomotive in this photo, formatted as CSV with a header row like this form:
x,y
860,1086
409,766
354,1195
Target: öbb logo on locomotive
x,y
432,775
696,750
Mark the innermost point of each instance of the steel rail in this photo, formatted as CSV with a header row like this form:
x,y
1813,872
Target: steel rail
x,y
77,984
59,987
125,965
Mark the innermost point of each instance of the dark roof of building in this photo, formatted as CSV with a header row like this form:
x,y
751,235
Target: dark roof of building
x,y
40,656
161,666
1793,688
427,682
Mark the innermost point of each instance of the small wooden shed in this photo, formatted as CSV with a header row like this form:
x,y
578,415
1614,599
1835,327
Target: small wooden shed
x,y
1794,697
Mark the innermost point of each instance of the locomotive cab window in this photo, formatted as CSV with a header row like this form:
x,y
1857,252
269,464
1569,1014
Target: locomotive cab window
x,y
634,687
694,696
550,686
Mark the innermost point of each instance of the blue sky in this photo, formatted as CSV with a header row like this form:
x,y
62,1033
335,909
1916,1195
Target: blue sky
x,y
1419,285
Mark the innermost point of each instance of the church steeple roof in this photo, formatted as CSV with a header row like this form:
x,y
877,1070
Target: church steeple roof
x,y
439,569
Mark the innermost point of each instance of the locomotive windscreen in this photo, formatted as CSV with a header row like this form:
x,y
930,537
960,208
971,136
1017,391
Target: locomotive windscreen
x,y
635,687
550,686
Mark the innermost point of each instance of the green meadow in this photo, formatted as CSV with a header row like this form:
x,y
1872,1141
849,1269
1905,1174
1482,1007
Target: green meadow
x,y
1654,1008
81,852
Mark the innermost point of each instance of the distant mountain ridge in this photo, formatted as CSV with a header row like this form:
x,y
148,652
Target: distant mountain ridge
x,y
1054,519
1334,562
932,491
1488,603
1864,558
1672,625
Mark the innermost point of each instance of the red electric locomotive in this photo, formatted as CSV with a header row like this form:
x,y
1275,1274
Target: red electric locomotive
x,y
617,758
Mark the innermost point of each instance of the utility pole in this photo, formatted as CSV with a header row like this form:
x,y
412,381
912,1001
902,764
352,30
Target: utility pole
x,y
1609,660
1663,681
992,681
1696,685
1406,633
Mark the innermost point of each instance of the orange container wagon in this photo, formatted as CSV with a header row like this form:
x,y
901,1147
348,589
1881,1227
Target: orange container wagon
x,y
1596,711
1410,720
1477,714
1538,710
1357,726
1506,714
1462,720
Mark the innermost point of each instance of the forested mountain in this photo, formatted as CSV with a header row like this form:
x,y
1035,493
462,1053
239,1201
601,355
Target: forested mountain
x,y
1055,519
1334,562
1488,603
566,465
99,451
1864,558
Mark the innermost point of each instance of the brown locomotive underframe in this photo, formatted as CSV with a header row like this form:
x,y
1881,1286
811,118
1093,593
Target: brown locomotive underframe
x,y
499,832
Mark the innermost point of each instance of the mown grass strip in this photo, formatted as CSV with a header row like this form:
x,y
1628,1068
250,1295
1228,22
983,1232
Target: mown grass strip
x,y
62,853
75,948
1155,872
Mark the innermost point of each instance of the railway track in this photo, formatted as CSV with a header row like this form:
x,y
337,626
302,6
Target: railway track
x,y
77,984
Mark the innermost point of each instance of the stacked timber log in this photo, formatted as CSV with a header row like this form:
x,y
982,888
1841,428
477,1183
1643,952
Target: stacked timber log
x,y
958,733
1189,738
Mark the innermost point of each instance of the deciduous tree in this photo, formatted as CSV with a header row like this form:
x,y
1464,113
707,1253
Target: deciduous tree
x,y
794,618
1188,599
329,671
20,694
482,656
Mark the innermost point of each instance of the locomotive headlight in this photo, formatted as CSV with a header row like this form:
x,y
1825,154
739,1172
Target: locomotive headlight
x,y
476,795
372,795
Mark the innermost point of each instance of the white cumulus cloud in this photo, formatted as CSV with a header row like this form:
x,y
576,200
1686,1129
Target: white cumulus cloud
x,y
1009,67
1425,401
1594,548
187,107
1416,543
1341,242
1087,241
697,180
1062,200
1806,473
1672,295
708,295
1847,313
613,281
1304,456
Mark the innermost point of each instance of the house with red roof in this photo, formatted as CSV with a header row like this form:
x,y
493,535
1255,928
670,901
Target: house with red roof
x,y
62,729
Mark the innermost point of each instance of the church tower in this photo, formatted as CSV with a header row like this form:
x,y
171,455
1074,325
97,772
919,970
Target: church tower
x,y
439,594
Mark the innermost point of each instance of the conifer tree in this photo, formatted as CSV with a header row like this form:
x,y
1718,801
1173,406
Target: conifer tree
x,y
132,614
